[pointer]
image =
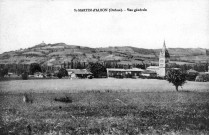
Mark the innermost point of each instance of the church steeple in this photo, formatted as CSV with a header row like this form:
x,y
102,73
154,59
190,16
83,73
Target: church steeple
x,y
164,47
163,60
164,52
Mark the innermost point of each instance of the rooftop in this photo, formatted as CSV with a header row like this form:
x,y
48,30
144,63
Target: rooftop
x,y
79,71
191,71
153,67
148,72
121,69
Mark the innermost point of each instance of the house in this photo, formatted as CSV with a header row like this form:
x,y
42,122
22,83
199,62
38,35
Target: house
x,y
78,73
121,73
191,75
191,71
38,75
10,74
149,73
153,68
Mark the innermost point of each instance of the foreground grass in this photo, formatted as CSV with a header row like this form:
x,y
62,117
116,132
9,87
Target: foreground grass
x,y
67,85
109,112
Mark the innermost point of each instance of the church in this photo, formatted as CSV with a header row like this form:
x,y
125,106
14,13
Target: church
x,y
164,59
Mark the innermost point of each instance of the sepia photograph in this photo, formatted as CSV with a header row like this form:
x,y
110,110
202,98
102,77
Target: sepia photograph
x,y
104,67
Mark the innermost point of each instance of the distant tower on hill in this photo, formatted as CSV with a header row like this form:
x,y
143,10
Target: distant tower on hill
x,y
164,59
42,43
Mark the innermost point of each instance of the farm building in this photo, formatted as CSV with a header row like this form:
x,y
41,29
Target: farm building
x,y
78,73
191,71
120,73
38,75
191,75
153,68
149,73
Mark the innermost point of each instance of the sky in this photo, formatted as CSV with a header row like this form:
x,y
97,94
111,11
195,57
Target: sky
x,y
183,24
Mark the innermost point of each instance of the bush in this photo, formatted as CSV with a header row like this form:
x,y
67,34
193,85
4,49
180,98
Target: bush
x,y
191,77
48,74
27,98
151,77
25,76
89,76
119,76
59,75
62,72
64,99
202,78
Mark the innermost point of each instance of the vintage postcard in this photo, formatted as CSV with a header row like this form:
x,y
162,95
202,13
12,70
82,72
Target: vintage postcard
x,y
104,67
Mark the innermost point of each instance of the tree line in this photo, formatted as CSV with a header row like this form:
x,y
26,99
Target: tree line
x,y
95,67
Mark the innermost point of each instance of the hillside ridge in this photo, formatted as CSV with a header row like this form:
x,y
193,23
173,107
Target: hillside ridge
x,y
53,54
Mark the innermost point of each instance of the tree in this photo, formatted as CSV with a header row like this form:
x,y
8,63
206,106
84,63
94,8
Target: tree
x,y
59,75
64,65
44,69
25,75
35,67
176,77
3,72
62,72
20,71
79,66
96,69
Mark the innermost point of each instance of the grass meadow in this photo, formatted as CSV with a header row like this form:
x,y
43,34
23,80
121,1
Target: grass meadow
x,y
103,106
67,85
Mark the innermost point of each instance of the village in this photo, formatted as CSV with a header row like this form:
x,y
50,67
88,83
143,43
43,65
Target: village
x,y
77,70
104,67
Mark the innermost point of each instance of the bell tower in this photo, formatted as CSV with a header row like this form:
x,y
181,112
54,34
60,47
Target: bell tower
x,y
164,58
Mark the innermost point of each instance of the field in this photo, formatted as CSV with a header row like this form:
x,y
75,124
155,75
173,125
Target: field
x,y
104,106
67,85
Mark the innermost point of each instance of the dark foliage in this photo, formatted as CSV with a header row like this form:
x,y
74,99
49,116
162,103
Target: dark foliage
x,y
20,71
25,75
35,67
59,75
97,69
27,98
202,78
62,73
89,76
3,72
191,77
48,74
64,99
152,77
200,67
176,77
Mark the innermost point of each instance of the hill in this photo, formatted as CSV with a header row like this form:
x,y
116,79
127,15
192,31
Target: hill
x,y
55,54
